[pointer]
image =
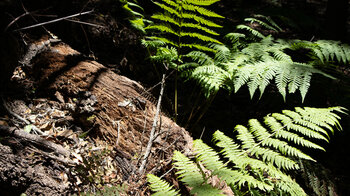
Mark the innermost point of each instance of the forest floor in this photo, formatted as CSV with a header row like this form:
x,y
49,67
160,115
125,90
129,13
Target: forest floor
x,y
74,125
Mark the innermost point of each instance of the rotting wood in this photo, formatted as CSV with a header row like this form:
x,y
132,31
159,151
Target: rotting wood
x,y
36,129
35,139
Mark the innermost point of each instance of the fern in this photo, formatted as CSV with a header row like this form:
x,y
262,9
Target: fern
x,y
136,18
182,19
256,60
262,154
324,51
185,25
161,187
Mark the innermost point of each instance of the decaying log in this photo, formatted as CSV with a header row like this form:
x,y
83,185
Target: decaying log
x,y
35,139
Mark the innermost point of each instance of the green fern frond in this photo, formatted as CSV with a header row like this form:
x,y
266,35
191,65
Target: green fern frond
x,y
161,187
206,190
264,24
202,2
328,50
269,20
211,77
164,40
166,18
198,46
251,30
152,43
175,4
196,26
200,20
207,156
188,171
190,174
200,57
162,28
201,10
199,36
303,129
223,53
169,9
261,157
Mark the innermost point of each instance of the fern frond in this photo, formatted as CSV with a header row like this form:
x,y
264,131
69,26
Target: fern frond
x,y
211,77
198,46
166,18
200,57
164,40
328,50
245,137
269,19
188,171
291,137
191,175
206,190
152,43
306,131
202,2
207,156
161,187
169,9
199,36
172,3
162,28
223,53
264,24
196,26
201,10
200,20
260,162
252,31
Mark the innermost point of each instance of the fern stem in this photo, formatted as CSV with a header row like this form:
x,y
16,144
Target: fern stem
x,y
175,98
208,104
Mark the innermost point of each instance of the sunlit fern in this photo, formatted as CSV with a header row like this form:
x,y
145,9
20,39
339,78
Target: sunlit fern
x,y
259,159
185,24
136,18
258,63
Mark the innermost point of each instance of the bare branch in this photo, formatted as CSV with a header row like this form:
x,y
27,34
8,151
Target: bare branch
x,y
154,125
55,20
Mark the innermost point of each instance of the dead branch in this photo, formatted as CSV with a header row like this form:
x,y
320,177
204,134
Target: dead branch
x,y
35,139
53,21
153,130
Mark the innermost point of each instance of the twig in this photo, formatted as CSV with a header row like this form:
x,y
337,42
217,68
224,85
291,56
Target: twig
x,y
143,132
53,21
35,139
154,125
171,169
118,130
86,23
15,20
202,133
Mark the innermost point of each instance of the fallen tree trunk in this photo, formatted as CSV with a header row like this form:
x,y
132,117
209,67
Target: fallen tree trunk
x,y
111,109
